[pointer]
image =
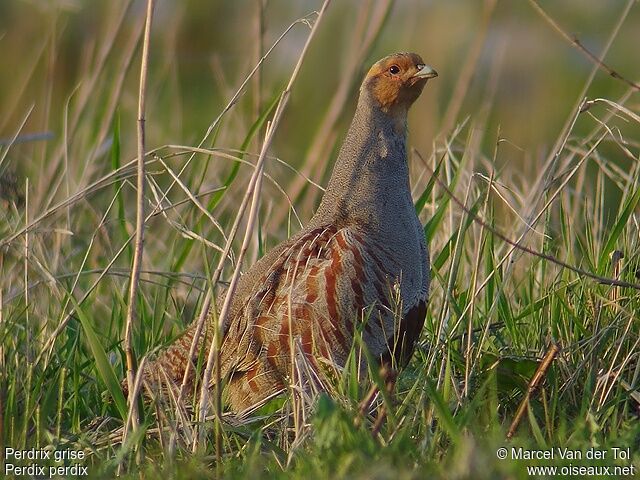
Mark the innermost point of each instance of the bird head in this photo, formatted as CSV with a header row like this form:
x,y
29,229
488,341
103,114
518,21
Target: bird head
x,y
396,81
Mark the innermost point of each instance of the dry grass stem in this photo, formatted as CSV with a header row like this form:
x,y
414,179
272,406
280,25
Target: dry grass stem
x,y
575,41
140,223
535,382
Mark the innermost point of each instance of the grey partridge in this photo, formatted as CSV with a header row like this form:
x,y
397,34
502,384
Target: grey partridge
x,y
361,264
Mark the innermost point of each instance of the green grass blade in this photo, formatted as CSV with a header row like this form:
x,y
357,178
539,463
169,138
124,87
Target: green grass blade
x,y
627,209
104,368
257,125
420,203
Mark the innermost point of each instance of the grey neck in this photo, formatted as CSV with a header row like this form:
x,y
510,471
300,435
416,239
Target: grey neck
x,y
370,179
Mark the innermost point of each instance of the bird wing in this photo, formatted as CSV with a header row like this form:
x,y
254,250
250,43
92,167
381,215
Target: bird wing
x,y
315,290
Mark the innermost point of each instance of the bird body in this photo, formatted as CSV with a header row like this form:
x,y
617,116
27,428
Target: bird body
x,y
360,265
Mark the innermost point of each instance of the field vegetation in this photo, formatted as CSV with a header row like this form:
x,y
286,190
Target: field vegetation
x,y
525,169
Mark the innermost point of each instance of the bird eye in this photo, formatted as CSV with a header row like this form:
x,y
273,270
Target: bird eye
x,y
394,69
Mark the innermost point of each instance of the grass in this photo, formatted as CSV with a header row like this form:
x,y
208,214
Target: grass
x,y
569,192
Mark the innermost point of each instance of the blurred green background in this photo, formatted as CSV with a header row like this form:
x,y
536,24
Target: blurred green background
x,y
526,76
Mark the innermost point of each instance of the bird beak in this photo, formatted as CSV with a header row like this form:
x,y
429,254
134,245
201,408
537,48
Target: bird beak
x,y
425,71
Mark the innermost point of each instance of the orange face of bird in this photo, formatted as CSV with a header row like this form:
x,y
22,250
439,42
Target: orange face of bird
x,y
396,81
